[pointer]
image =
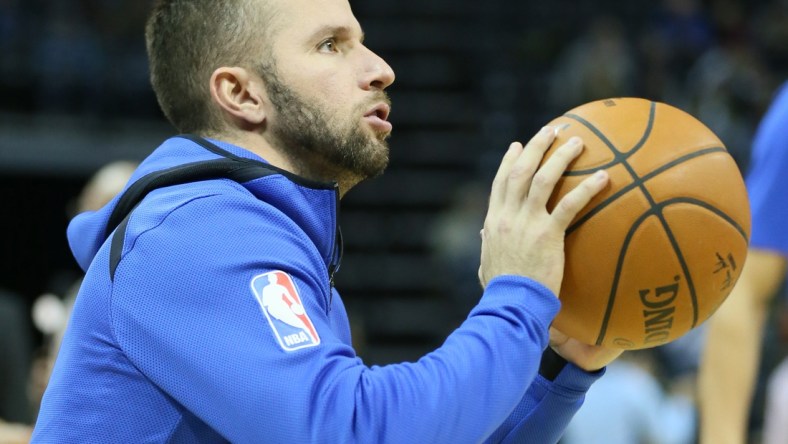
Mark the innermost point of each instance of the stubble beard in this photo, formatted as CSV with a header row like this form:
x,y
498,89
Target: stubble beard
x,y
324,146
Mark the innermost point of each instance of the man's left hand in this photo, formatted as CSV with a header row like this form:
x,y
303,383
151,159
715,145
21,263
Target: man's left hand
x,y
588,357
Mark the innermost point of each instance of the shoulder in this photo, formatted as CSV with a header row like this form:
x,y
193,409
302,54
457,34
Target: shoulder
x,y
212,234
217,206
211,222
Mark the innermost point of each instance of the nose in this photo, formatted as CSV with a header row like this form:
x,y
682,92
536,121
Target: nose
x,y
377,73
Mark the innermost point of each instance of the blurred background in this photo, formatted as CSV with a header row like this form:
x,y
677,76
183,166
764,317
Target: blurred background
x,y
471,77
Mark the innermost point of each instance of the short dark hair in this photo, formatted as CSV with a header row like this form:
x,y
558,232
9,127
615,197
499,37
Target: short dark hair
x,y
187,40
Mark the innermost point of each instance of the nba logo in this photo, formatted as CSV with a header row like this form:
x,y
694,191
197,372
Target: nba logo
x,y
278,297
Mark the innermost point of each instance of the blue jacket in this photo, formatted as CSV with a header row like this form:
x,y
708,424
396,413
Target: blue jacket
x,y
208,314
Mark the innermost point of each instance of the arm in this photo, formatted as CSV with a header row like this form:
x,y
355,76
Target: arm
x,y
204,341
730,361
549,404
566,372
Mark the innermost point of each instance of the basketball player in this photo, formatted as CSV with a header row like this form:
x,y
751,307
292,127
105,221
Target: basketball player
x,y
288,111
730,361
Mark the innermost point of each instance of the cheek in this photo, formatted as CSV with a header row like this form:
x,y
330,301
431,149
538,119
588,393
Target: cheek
x,y
334,86
338,94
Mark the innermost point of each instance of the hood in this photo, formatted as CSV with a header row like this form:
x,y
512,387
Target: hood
x,y
88,231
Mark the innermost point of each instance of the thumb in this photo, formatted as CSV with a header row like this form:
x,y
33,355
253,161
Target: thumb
x,y
557,338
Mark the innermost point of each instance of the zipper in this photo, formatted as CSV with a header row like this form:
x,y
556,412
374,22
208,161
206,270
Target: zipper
x,y
336,260
338,250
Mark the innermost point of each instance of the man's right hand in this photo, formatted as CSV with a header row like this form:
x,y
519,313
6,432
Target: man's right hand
x,y
520,236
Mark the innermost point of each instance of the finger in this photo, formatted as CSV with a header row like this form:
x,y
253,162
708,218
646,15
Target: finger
x,y
524,168
557,338
574,201
547,176
498,191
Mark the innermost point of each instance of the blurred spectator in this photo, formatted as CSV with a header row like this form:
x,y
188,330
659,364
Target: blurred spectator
x,y
730,21
456,245
598,65
685,30
121,29
681,358
51,312
16,352
726,90
670,41
630,406
775,424
105,184
10,40
770,29
68,60
90,59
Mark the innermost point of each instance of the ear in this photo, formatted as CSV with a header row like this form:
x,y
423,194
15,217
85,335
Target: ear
x,y
240,95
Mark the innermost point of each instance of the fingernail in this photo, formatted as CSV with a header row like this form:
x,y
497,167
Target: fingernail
x,y
575,140
548,131
600,175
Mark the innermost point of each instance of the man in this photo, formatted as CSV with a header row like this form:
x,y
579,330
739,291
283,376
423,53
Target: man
x,y
730,361
172,337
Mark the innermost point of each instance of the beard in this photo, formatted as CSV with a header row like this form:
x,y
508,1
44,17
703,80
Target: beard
x,y
322,143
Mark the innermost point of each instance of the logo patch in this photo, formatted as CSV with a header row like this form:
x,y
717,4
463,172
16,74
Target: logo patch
x,y
278,297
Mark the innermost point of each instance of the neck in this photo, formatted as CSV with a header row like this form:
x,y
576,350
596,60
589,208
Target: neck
x,y
306,165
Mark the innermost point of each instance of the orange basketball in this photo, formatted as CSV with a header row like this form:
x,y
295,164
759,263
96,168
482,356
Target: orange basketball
x,y
656,252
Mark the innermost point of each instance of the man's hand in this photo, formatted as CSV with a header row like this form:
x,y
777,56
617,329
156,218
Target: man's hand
x,y
587,357
520,236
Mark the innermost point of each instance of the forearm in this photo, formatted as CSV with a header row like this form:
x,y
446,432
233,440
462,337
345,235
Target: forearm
x,y
730,362
473,381
14,433
729,367
549,404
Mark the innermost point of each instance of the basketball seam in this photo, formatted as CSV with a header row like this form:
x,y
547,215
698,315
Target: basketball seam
x,y
645,179
655,209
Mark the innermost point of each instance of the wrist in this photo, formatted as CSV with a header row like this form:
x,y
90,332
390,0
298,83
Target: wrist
x,y
551,365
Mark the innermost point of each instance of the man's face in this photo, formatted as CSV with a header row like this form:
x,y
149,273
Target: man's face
x,y
326,88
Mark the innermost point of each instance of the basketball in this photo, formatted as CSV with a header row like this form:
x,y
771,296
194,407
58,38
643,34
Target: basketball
x,y
660,248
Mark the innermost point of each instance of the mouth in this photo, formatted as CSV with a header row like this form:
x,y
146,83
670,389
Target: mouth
x,y
378,116
381,111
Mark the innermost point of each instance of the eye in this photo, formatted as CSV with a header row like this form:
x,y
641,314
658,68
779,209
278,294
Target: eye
x,y
328,45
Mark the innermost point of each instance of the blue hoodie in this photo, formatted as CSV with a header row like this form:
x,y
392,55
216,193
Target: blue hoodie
x,y
208,314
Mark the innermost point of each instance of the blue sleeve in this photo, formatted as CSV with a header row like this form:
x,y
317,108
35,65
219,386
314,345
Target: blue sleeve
x,y
185,313
548,406
767,179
